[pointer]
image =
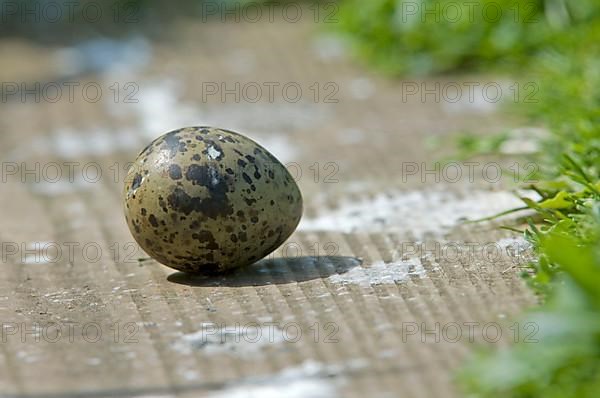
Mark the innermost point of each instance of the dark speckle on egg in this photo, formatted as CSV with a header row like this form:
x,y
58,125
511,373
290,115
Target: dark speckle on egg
x,y
175,172
197,201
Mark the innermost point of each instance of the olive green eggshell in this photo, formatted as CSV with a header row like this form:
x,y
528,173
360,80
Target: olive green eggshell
x,y
203,199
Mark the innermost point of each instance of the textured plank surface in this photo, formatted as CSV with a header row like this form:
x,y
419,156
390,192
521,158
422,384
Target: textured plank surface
x,y
361,278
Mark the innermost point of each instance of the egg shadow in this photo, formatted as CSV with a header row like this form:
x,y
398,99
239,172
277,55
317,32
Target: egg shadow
x,y
272,272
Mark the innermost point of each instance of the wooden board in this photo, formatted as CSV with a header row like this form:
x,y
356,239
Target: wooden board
x,y
365,299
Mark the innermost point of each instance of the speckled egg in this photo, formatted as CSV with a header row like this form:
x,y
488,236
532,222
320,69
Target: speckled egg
x,y
204,199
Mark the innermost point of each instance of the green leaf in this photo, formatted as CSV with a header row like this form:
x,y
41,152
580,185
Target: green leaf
x,y
562,200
